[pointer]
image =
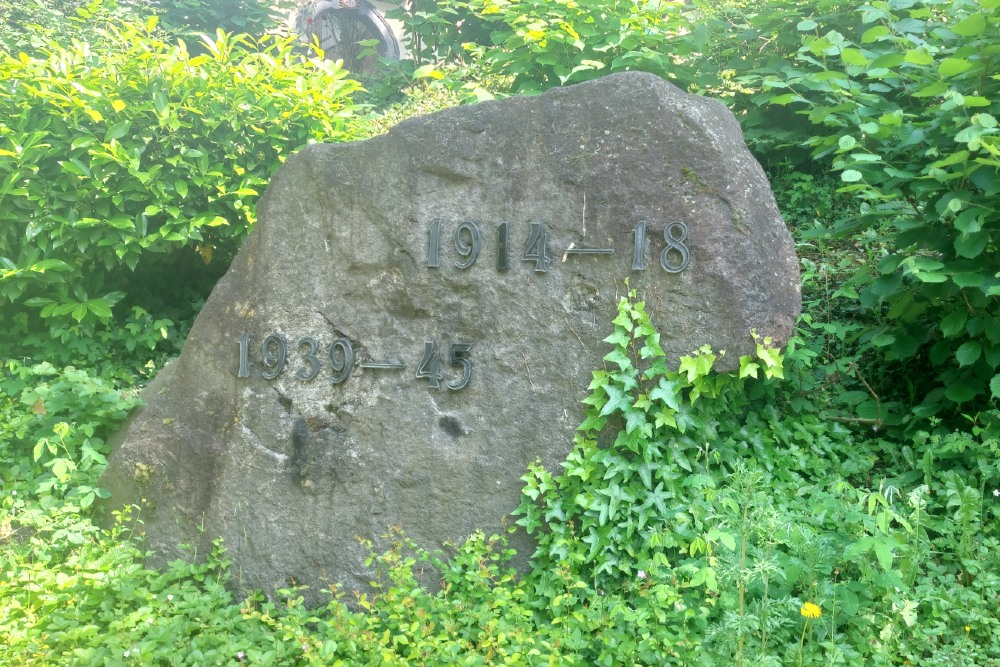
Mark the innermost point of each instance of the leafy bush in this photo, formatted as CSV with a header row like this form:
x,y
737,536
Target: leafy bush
x,y
29,25
119,153
437,31
197,17
543,44
700,519
906,109
717,525
898,97
754,520
61,417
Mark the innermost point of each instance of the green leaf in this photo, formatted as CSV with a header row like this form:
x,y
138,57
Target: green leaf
x,y
954,324
971,245
953,66
806,24
935,89
888,61
616,356
883,340
618,400
970,26
100,308
787,98
968,353
970,220
854,57
50,265
118,130
918,56
968,279
960,393
883,552
873,34
847,142
922,263
995,386
850,176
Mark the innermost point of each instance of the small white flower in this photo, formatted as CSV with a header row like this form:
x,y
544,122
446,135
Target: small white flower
x,y
641,574
127,654
170,598
996,493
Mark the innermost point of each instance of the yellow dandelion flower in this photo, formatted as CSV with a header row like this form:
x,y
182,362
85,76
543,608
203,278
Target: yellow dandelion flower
x,y
810,610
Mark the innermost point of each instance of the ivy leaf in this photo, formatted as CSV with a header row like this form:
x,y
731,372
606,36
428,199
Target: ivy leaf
x,y
635,420
618,400
667,392
616,356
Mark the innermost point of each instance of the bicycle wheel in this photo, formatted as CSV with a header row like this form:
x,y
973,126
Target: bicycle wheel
x,y
342,33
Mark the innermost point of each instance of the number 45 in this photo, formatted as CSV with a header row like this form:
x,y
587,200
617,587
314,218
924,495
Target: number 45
x,y
430,365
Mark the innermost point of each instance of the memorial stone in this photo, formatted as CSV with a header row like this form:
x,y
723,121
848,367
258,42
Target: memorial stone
x,y
415,318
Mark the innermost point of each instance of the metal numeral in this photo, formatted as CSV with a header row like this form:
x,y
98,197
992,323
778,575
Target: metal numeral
x,y
503,255
274,352
430,365
459,355
434,245
310,357
676,245
244,371
470,250
536,249
341,368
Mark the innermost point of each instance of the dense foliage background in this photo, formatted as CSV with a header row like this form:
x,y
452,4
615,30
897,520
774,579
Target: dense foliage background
x,y
835,503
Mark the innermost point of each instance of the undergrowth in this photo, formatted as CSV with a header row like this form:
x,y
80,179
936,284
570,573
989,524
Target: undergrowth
x,y
700,519
795,512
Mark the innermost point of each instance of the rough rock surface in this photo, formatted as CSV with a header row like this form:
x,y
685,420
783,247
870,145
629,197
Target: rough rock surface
x,y
289,470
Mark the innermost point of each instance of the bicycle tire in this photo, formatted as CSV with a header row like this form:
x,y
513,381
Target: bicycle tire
x,y
338,30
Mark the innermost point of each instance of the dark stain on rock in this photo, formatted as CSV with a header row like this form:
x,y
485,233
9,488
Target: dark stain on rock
x,y
452,426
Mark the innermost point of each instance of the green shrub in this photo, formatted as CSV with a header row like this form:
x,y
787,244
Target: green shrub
x,y
437,31
30,25
195,17
129,151
720,523
905,108
544,44
55,422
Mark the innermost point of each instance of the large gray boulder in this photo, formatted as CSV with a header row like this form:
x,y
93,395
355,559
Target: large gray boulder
x,y
415,318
